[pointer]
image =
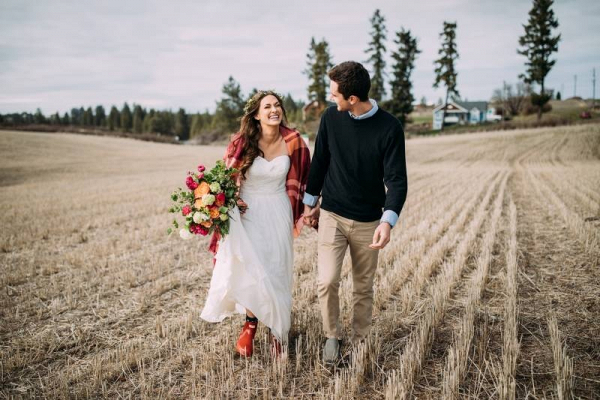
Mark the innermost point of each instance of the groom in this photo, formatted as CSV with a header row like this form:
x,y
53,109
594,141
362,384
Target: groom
x,y
359,152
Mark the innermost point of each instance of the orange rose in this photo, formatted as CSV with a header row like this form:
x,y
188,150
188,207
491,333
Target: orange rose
x,y
206,224
201,190
214,213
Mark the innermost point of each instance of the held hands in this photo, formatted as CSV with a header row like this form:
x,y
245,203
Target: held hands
x,y
311,215
243,207
381,237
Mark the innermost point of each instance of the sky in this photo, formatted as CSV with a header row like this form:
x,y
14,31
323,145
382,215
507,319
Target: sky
x,y
166,55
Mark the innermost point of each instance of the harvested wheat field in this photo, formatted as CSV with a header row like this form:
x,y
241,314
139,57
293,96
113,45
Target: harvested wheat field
x,y
490,287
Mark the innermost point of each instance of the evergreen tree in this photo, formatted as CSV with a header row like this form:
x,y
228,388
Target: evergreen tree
x,y
138,118
196,127
558,96
114,119
147,122
182,127
230,107
55,119
538,44
75,116
318,63
100,116
39,117
81,116
377,52
162,122
88,117
445,71
66,120
126,118
402,98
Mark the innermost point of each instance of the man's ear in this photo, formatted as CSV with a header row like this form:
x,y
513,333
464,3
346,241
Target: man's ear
x,y
353,99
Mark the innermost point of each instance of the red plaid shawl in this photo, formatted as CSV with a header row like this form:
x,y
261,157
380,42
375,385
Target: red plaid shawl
x,y
297,176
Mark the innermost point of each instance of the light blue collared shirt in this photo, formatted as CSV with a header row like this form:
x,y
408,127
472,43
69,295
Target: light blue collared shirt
x,y
388,216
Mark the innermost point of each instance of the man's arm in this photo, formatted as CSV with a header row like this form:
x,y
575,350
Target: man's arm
x,y
395,179
316,176
319,165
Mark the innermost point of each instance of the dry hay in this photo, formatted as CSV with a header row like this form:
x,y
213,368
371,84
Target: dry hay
x,y
489,288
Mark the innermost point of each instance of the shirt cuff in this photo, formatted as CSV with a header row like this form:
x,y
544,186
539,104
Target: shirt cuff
x,y
310,200
390,217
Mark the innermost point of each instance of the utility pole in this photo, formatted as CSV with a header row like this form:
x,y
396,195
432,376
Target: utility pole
x,y
505,101
593,88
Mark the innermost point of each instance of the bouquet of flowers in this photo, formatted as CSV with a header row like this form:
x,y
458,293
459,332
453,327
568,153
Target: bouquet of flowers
x,y
207,202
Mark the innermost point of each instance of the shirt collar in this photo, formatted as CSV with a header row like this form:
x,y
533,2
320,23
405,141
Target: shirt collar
x,y
369,113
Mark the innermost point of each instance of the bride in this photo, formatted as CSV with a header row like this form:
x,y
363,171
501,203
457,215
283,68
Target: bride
x,y
254,263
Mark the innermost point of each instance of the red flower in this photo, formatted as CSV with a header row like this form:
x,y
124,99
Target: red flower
x,y
186,210
191,184
201,175
201,168
220,199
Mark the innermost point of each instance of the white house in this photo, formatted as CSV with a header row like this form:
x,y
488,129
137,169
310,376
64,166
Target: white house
x,y
463,112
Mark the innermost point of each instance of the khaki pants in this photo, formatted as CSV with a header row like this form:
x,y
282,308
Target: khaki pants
x,y
336,233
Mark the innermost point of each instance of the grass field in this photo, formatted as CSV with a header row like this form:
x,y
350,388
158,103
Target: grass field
x,y
490,287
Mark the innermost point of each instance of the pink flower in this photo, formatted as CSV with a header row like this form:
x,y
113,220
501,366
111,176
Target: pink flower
x,y
191,184
198,229
201,168
220,199
201,175
186,210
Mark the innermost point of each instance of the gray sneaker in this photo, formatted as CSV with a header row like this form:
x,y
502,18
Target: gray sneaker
x,y
331,351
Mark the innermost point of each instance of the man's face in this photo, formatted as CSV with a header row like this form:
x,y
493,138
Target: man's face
x,y
338,98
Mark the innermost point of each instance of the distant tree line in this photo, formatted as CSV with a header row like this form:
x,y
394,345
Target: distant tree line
x,y
136,119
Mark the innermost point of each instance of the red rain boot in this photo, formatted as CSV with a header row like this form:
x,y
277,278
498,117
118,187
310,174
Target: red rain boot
x,y
244,343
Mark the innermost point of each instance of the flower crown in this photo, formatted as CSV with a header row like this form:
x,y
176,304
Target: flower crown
x,y
259,95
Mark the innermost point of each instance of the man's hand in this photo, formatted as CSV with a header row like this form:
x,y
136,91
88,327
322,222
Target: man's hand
x,y
311,215
381,237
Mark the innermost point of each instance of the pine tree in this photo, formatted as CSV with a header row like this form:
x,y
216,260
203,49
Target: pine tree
x,y
75,116
182,127
55,119
88,117
230,107
126,118
114,119
318,63
538,44
66,120
138,118
377,50
401,100
81,116
445,71
196,127
100,116
147,122
39,117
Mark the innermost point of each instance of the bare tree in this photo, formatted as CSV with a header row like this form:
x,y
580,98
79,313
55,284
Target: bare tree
x,y
511,98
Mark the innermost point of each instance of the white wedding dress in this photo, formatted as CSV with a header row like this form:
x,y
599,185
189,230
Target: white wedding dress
x,y
253,268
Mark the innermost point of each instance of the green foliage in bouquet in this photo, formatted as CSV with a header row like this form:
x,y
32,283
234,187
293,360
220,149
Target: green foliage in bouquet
x,y
206,202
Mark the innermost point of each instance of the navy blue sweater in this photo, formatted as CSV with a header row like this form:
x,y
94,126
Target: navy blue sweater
x,y
352,161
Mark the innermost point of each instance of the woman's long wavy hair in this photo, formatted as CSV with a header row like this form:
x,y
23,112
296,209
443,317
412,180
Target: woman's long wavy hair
x,y
250,129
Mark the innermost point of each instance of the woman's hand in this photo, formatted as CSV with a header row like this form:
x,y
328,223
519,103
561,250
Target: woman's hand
x,y
242,206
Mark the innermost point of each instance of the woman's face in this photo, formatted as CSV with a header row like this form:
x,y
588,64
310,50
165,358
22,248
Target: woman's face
x,y
269,112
